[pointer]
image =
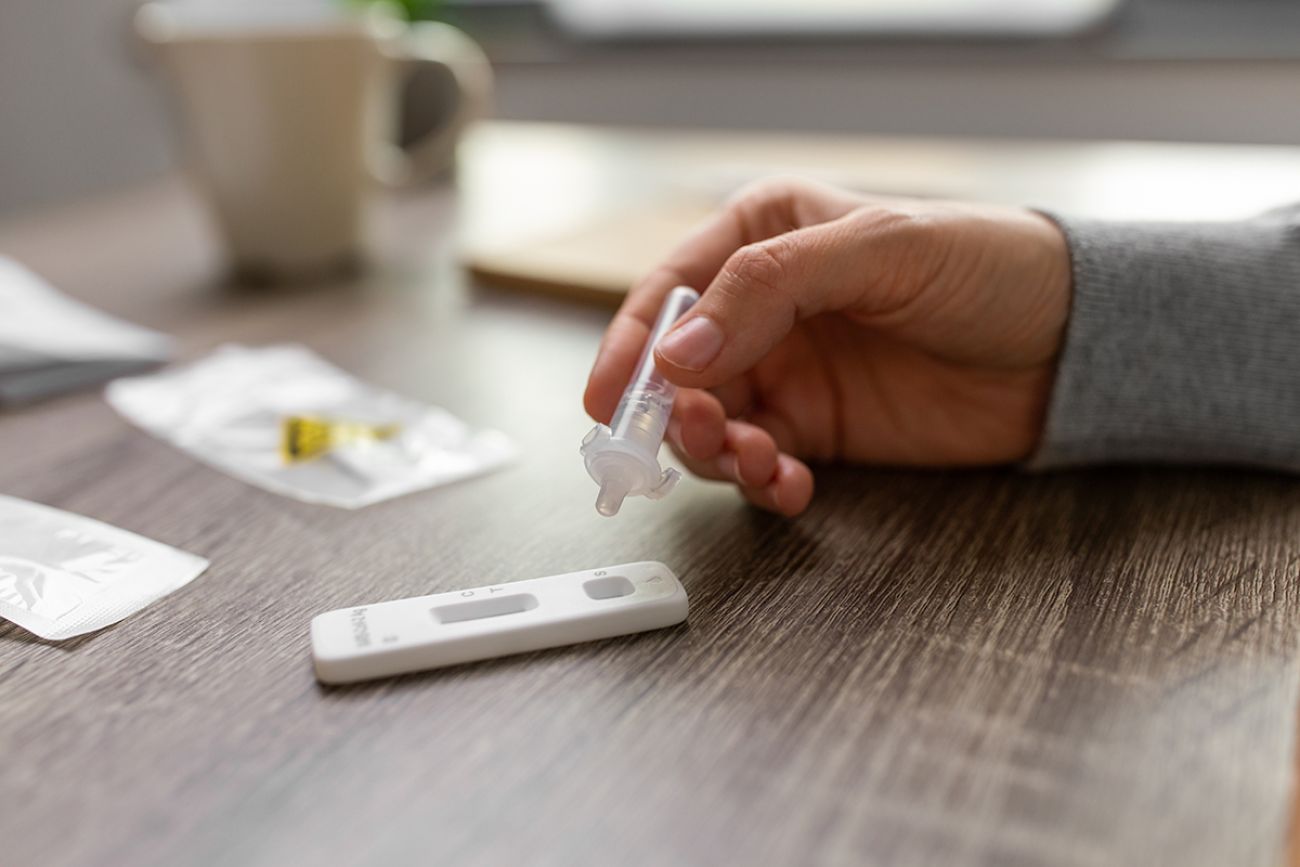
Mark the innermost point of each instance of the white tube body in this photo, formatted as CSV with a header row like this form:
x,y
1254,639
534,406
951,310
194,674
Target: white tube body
x,y
623,458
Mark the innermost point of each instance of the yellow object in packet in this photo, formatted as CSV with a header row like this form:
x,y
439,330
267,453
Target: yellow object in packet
x,y
284,419
304,437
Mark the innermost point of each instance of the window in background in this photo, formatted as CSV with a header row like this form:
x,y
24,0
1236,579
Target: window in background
x,y
622,18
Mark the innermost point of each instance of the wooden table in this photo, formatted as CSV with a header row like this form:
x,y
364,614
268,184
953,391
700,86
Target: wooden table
x,y
985,667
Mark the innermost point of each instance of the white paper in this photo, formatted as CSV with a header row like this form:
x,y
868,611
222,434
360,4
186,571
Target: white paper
x,y
63,575
227,409
50,344
39,325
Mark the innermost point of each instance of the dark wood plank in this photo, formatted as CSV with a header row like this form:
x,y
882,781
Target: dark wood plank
x,y
960,667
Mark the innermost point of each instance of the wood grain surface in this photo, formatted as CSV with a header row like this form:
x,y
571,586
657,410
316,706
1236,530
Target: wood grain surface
x,y
985,667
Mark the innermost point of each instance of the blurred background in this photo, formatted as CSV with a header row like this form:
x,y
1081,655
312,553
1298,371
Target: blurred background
x,y
83,114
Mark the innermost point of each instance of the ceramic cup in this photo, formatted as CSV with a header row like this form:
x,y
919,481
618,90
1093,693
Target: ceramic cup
x,y
289,118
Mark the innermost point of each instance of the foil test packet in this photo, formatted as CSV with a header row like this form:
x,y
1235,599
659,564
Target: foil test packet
x,y
63,575
248,412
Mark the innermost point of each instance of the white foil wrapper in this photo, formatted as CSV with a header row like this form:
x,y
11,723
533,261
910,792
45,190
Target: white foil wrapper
x,y
227,411
63,575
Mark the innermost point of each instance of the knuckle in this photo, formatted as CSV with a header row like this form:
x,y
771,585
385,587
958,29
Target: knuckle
x,y
768,191
909,250
757,268
891,222
770,206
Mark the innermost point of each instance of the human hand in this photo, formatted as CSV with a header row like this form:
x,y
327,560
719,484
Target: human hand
x,y
835,326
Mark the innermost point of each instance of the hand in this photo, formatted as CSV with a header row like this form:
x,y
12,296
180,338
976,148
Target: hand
x,y
841,327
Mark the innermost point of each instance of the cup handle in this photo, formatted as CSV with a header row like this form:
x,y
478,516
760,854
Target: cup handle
x,y
432,42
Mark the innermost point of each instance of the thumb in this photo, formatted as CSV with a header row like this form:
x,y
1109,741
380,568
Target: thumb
x,y
766,288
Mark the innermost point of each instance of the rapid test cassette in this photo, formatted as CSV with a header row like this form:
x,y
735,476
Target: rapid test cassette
x,y
406,635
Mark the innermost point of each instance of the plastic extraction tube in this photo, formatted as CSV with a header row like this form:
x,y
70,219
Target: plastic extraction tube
x,y
623,458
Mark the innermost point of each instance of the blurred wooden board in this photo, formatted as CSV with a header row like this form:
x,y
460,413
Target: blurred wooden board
x,y
583,212
595,262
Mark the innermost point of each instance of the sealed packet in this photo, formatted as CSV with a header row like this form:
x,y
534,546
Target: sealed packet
x,y
284,419
63,575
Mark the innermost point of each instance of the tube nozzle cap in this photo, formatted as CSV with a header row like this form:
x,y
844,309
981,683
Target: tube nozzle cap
x,y
612,493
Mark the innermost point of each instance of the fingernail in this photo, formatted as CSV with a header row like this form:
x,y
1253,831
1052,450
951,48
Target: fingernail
x,y
675,433
693,344
729,466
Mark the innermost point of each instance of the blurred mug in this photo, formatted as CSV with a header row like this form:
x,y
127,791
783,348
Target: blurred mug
x,y
290,115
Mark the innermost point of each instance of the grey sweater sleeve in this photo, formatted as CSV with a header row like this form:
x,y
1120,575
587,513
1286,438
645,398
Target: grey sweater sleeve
x,y
1183,345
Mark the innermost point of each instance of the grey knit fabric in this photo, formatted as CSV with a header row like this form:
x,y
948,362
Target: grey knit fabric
x,y
1183,345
